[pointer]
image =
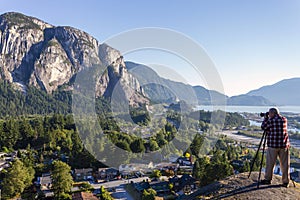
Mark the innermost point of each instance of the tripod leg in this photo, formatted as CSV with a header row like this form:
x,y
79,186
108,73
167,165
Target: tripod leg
x,y
253,161
292,181
262,160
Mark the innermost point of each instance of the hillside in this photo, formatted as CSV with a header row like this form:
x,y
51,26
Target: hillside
x,y
281,93
240,187
248,100
160,89
164,90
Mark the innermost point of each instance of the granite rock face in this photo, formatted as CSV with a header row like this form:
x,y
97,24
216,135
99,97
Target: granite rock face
x,y
36,53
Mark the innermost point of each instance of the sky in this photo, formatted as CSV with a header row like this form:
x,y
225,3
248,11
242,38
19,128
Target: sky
x,y
251,43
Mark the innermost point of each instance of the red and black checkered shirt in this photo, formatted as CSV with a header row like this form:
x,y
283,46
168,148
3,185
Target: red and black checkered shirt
x,y
276,128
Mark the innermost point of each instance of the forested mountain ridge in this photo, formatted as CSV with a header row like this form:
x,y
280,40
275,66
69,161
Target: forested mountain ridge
x,y
160,89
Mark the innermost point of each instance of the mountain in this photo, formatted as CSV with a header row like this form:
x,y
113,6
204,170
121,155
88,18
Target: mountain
x,y
35,53
281,93
248,100
160,89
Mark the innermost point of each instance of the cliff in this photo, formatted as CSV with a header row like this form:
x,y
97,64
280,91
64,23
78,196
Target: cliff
x,y
35,53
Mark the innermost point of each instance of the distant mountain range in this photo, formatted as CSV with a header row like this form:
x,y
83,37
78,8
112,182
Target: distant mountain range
x,y
161,89
281,93
37,54
164,90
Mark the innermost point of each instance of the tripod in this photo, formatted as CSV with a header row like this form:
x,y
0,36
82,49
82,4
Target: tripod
x,y
263,139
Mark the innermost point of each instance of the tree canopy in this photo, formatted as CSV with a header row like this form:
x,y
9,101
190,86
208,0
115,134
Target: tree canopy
x,y
17,178
61,179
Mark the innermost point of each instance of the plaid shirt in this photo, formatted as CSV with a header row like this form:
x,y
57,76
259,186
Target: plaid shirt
x,y
276,129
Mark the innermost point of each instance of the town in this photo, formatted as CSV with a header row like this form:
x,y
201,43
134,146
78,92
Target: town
x,y
175,177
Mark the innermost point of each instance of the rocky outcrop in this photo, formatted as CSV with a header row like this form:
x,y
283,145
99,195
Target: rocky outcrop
x,y
19,34
116,79
241,187
36,53
52,68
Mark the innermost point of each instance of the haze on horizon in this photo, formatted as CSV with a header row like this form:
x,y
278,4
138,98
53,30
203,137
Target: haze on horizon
x,y
252,43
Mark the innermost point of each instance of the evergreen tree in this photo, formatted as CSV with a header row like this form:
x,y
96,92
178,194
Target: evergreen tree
x,y
137,146
197,145
61,179
197,170
17,178
123,145
153,145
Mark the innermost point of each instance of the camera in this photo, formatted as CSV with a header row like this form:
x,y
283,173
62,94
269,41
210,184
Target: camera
x,y
264,114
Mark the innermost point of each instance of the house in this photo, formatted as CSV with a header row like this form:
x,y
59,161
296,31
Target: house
x,y
3,165
183,161
185,170
161,187
131,169
184,183
2,154
45,183
83,174
167,166
83,196
13,154
141,186
107,173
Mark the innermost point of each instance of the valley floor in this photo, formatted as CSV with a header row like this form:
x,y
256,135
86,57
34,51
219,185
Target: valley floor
x,y
253,140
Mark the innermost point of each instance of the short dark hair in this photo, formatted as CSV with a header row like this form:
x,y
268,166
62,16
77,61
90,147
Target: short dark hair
x,y
274,110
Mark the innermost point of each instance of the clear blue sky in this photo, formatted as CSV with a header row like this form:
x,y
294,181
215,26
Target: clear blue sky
x,y
253,43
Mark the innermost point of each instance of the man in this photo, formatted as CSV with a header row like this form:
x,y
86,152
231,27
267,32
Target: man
x,y
278,143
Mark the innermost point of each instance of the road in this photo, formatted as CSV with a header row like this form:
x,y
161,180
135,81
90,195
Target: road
x,y
119,185
253,140
116,183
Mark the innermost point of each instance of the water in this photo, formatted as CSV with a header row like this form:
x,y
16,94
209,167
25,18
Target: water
x,y
250,109
254,109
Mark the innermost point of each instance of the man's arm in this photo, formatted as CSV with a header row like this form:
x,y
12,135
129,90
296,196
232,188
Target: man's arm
x,y
265,124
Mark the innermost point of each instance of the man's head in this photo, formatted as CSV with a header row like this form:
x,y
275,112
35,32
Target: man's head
x,y
273,112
